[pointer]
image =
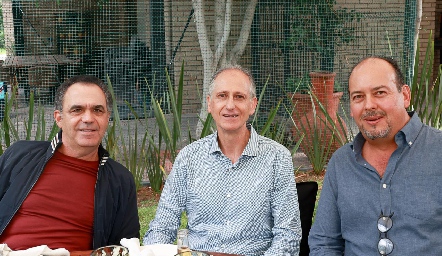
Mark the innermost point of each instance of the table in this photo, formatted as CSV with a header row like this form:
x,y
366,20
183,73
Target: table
x,y
88,253
18,67
36,60
80,253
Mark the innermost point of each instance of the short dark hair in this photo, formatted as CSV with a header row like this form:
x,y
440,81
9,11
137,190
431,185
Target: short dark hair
x,y
393,63
86,79
234,67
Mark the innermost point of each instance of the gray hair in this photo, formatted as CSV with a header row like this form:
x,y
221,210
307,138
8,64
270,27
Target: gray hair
x,y
86,79
234,67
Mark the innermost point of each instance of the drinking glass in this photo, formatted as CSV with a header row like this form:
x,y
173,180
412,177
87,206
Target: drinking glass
x,y
183,240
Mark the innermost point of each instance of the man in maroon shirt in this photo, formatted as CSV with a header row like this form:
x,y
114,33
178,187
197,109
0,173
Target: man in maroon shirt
x,y
68,193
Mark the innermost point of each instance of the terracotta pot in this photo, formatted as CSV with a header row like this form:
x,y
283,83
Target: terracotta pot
x,y
325,132
323,85
309,124
302,104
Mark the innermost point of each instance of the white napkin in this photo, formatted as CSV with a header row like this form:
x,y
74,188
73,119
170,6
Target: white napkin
x,y
42,250
133,245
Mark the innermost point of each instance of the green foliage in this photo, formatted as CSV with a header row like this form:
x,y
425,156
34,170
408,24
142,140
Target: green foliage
x,y
146,213
299,85
270,125
157,157
317,132
318,27
130,151
426,94
34,129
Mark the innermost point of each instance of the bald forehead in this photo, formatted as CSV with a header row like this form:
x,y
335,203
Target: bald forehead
x,y
373,62
232,72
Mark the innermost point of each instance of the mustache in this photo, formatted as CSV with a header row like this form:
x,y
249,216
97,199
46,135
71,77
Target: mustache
x,y
373,113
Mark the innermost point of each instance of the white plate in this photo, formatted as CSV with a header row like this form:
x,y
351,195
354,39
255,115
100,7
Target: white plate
x,y
162,249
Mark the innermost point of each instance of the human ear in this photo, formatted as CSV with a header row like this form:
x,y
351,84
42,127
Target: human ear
x,y
57,118
406,93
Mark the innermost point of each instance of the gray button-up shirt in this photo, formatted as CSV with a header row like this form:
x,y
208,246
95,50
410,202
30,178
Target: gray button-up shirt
x,y
354,196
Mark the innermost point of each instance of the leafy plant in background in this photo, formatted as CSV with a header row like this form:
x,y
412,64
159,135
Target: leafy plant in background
x,y
34,129
317,132
298,85
426,94
156,157
270,125
318,27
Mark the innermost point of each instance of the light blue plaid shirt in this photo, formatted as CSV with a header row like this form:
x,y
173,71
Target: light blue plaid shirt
x,y
247,208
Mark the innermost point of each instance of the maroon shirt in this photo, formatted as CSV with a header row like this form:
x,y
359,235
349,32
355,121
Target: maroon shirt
x,y
59,210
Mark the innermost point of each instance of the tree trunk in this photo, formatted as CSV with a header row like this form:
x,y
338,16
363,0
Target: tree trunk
x,y
241,44
213,59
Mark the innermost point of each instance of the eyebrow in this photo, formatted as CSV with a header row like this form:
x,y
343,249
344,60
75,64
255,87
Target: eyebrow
x,y
373,89
229,92
82,106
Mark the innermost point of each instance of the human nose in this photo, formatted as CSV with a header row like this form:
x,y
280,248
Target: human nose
x,y
370,103
230,104
87,117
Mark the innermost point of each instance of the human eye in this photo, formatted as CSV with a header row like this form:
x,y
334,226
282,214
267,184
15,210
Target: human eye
x,y
76,110
357,97
99,110
240,96
380,93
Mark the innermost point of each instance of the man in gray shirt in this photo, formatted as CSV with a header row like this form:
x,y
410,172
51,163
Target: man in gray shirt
x,y
382,194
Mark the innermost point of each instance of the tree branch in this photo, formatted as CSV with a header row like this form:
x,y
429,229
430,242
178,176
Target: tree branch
x,y
201,30
220,48
219,19
241,44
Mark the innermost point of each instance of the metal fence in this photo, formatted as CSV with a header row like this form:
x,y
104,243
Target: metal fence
x,y
132,42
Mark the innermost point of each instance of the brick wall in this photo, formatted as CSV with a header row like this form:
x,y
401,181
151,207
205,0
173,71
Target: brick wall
x,y
189,52
428,25
437,33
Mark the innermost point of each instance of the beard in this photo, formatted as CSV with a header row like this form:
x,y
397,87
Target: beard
x,y
373,133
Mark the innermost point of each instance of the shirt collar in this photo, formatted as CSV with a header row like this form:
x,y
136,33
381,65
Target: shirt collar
x,y
410,132
412,129
251,147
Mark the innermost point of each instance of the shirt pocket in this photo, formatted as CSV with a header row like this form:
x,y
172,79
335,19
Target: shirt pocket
x,y
421,196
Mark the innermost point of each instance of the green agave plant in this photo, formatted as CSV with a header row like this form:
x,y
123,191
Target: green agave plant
x,y
34,124
426,93
318,132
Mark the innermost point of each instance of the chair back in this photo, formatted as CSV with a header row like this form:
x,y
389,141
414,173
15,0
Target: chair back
x,y
306,199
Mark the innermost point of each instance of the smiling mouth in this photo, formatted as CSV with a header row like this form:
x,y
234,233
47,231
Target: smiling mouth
x,y
373,116
230,115
87,130
372,119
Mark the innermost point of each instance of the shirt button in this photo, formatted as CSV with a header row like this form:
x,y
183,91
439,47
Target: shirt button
x,y
384,185
228,195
